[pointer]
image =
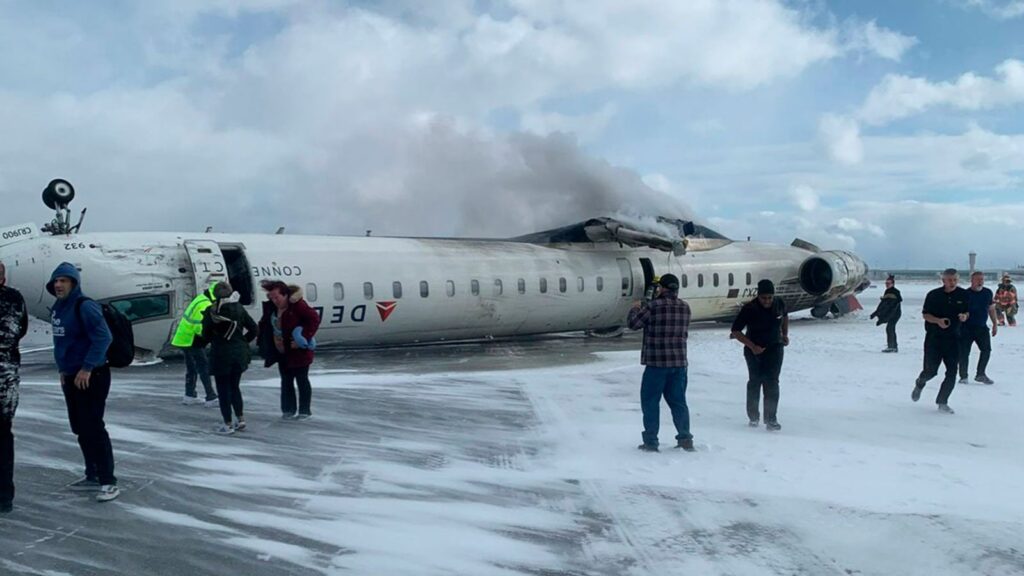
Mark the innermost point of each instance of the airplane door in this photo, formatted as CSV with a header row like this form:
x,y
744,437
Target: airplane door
x,y
626,271
648,269
208,265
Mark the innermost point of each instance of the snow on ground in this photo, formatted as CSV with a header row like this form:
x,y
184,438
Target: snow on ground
x,y
520,458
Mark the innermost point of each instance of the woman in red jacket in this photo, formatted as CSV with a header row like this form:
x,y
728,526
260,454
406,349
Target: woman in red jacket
x,y
293,325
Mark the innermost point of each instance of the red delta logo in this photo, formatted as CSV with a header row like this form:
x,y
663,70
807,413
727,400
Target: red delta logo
x,y
385,309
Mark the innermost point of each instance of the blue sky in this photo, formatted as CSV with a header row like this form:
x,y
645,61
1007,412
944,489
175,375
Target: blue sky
x,y
891,128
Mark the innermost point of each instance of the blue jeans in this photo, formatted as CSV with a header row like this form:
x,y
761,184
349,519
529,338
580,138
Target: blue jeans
x,y
670,383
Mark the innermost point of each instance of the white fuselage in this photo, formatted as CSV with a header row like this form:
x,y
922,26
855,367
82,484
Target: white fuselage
x,y
384,291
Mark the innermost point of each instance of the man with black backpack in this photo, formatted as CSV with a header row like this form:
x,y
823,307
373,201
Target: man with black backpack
x,y
81,338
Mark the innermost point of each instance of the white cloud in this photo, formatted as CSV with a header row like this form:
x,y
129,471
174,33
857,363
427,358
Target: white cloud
x,y
977,174
974,162
586,126
898,234
371,116
847,224
805,198
898,96
869,37
1000,9
841,137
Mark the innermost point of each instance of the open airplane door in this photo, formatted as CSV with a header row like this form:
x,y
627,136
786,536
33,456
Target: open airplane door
x,y
208,265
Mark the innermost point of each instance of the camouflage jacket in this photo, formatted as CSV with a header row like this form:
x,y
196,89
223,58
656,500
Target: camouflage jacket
x,y
13,326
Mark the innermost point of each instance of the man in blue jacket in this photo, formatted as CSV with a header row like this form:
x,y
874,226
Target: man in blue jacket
x,y
80,341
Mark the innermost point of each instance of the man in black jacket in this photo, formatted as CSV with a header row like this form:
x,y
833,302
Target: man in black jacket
x,y
945,309
889,312
13,326
767,332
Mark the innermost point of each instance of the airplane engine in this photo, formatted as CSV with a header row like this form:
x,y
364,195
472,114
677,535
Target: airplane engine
x,y
832,274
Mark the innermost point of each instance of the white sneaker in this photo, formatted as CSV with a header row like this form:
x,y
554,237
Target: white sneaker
x,y
225,429
240,425
191,400
212,402
945,409
108,492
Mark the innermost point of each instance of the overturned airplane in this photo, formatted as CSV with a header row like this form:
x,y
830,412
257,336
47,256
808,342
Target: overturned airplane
x,y
390,291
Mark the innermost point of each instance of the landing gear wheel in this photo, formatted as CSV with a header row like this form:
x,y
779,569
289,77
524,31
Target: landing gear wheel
x,y
58,193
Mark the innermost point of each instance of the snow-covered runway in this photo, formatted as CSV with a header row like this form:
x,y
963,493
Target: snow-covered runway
x,y
520,458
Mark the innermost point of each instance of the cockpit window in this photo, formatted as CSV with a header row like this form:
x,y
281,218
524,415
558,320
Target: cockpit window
x,y
139,308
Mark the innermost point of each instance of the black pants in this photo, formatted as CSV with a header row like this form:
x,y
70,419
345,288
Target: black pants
x,y
940,350
763,370
6,460
289,378
85,414
890,334
197,366
968,337
9,381
229,393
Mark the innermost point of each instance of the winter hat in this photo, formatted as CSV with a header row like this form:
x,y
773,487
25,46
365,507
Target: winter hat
x,y
765,287
669,282
222,291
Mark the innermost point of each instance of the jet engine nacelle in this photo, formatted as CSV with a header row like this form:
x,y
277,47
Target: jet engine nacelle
x,y
832,274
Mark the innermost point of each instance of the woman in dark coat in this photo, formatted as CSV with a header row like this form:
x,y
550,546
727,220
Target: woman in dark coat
x,y
888,312
291,326
229,329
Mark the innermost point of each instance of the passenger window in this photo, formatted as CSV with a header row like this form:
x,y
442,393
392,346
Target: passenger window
x,y
450,288
144,307
368,290
311,292
339,291
700,280
521,285
474,287
498,288
396,289
579,284
730,279
714,279
562,285
424,289
748,278
600,283
686,281
543,285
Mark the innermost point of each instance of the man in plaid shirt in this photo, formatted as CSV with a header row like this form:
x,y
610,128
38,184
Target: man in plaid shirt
x,y
666,324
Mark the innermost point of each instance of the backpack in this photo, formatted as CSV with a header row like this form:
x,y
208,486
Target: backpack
x,y
122,348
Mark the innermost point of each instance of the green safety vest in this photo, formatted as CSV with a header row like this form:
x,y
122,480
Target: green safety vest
x,y
191,324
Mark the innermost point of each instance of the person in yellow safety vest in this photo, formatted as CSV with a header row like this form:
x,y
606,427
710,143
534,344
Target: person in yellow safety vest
x,y
189,337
